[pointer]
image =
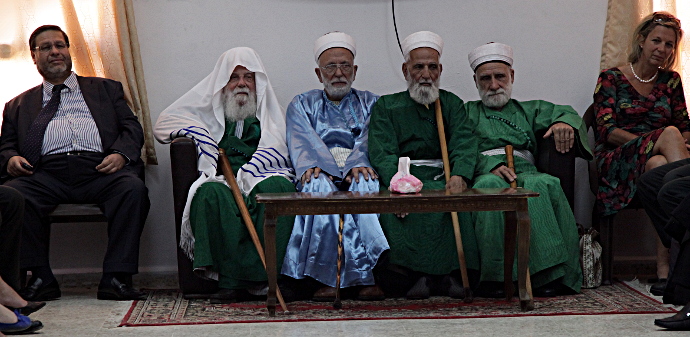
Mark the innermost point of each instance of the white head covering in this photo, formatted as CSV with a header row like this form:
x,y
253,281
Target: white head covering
x,y
489,52
199,114
422,39
334,40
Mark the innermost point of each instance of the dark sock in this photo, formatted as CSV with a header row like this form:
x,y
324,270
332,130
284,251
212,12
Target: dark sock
x,y
44,273
121,277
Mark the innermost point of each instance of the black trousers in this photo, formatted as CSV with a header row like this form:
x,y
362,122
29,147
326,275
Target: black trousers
x,y
11,215
122,196
665,192
661,195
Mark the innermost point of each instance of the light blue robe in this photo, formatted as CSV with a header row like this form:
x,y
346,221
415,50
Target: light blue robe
x,y
314,126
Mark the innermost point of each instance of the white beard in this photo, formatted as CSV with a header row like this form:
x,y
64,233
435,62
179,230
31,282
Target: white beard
x,y
423,94
337,93
496,98
239,107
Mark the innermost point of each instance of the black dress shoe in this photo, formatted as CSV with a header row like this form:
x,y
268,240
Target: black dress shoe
x,y
37,290
679,321
30,308
658,288
118,291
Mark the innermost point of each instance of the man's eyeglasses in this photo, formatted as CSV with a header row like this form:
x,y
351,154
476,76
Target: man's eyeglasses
x,y
46,48
248,77
661,18
330,69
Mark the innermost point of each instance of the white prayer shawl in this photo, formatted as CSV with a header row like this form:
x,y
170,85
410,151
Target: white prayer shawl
x,y
199,115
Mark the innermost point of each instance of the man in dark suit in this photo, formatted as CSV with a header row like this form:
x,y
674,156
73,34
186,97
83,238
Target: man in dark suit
x,y
73,139
665,194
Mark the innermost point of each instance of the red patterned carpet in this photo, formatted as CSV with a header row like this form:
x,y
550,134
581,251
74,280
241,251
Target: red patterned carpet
x,y
168,307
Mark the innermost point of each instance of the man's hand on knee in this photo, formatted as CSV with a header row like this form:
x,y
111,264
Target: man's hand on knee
x,y
306,177
505,173
367,172
456,184
564,136
111,163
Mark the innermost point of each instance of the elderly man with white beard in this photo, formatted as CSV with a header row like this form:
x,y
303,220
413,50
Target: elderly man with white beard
x,y
327,138
498,120
233,108
423,252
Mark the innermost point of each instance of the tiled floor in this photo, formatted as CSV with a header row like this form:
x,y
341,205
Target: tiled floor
x,y
79,313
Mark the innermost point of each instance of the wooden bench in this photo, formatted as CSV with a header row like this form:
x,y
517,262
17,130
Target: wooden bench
x,y
72,213
512,201
183,164
67,213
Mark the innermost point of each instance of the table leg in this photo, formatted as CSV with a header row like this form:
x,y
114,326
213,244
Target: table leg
x,y
270,251
509,239
524,283
337,304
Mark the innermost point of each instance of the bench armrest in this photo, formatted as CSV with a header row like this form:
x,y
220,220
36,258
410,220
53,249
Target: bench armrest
x,y
559,165
183,165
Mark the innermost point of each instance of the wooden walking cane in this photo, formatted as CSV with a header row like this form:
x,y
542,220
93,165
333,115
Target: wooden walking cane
x,y
513,184
247,219
454,215
511,164
337,304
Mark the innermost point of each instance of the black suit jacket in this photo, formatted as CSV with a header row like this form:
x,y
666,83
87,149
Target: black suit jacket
x,y
118,127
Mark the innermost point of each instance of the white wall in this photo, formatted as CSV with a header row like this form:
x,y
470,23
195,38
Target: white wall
x,y
557,45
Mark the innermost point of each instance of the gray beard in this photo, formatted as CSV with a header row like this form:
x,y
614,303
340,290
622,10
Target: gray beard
x,y
56,72
423,94
238,107
337,93
498,98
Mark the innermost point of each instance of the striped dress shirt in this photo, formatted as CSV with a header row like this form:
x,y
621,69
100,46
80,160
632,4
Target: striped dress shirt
x,y
72,128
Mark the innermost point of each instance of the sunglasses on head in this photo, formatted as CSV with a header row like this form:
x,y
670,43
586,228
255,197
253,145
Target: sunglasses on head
x,y
662,18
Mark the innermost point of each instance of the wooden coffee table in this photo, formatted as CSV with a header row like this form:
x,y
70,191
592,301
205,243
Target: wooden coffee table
x,y
512,201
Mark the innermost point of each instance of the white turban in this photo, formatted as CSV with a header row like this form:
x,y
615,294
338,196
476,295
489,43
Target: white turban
x,y
199,115
334,40
489,52
422,39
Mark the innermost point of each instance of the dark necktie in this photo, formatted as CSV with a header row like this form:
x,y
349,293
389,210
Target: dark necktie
x,y
34,138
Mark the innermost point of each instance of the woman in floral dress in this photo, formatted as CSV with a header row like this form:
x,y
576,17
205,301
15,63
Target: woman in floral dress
x,y
641,118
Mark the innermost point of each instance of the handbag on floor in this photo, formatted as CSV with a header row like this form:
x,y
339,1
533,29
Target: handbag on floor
x,y
590,257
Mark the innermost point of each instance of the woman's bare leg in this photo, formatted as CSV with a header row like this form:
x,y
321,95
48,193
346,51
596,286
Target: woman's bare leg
x,y
671,145
9,297
7,316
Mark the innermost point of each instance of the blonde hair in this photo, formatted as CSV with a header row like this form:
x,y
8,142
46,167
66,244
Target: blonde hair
x,y
645,27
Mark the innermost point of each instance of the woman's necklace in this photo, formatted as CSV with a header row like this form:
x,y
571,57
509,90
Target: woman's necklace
x,y
641,80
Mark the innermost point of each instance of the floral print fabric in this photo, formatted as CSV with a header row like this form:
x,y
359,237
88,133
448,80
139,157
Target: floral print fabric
x,y
619,105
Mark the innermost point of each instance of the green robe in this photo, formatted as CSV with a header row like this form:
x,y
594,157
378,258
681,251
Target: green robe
x,y
400,127
554,241
222,242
